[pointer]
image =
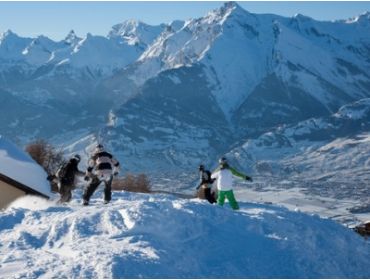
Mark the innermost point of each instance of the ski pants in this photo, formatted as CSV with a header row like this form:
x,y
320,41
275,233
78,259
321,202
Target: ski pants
x,y
65,193
207,193
230,197
95,182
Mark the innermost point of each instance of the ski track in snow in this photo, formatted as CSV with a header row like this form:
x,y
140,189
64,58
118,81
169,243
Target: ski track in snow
x,y
160,236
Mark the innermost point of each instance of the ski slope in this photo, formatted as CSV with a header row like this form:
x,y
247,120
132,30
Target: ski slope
x,y
161,236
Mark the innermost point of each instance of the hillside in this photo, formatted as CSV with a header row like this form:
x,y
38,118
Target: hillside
x,y
161,236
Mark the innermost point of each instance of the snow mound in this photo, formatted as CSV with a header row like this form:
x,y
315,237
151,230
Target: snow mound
x,y
20,167
160,236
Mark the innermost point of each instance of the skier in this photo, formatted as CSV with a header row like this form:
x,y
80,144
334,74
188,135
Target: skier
x,y
205,182
224,178
102,167
66,176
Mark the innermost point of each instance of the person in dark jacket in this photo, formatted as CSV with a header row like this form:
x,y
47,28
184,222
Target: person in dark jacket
x,y
205,183
66,176
102,167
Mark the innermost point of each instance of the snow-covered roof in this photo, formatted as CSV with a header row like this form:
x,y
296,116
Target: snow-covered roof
x,y
20,167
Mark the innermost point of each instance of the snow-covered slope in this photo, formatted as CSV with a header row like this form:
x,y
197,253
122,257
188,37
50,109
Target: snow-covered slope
x,y
160,236
340,135
20,167
326,158
64,77
12,46
134,32
241,50
260,70
279,93
233,75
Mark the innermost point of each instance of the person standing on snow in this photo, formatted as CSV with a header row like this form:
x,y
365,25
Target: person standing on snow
x,y
205,182
224,176
102,167
66,176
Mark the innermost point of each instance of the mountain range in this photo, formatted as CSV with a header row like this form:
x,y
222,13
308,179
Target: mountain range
x,y
277,95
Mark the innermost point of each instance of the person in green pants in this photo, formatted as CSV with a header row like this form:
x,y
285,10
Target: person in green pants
x,y
224,176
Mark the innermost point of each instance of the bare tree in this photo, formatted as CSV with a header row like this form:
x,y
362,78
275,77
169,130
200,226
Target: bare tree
x,y
132,183
47,156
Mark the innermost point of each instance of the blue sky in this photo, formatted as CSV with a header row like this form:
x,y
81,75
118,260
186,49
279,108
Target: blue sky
x,y
56,19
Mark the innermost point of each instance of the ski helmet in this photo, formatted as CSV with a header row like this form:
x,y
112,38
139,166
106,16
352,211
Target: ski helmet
x,y
222,160
201,167
223,163
99,147
77,157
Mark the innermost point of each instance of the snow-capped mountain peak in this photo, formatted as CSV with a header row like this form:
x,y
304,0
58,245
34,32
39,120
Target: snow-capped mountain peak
x,y
39,50
362,19
228,10
176,25
134,32
301,17
10,37
71,38
12,46
6,34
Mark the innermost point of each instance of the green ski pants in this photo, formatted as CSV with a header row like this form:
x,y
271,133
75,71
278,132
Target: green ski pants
x,y
230,197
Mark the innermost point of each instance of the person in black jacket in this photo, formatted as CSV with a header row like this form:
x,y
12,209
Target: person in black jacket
x,y
102,167
205,182
66,176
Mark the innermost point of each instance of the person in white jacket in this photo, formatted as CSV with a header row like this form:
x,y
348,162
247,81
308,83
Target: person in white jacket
x,y
102,167
224,176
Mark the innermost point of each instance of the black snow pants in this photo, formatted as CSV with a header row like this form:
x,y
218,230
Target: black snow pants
x,y
65,191
209,196
91,188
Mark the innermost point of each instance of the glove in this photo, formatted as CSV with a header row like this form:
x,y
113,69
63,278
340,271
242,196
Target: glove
x,y
86,178
248,178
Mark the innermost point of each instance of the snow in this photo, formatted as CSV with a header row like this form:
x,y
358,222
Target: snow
x,y
40,50
12,46
135,32
358,110
105,54
17,165
142,235
161,236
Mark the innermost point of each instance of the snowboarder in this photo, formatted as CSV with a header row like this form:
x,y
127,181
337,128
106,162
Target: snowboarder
x,y
223,175
66,176
205,183
102,167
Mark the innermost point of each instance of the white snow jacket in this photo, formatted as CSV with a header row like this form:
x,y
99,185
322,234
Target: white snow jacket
x,y
224,178
103,164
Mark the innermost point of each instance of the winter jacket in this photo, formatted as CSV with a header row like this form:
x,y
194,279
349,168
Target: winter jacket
x,y
205,178
102,163
224,178
66,174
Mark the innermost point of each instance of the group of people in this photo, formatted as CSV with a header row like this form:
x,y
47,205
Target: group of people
x,y
223,176
102,167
